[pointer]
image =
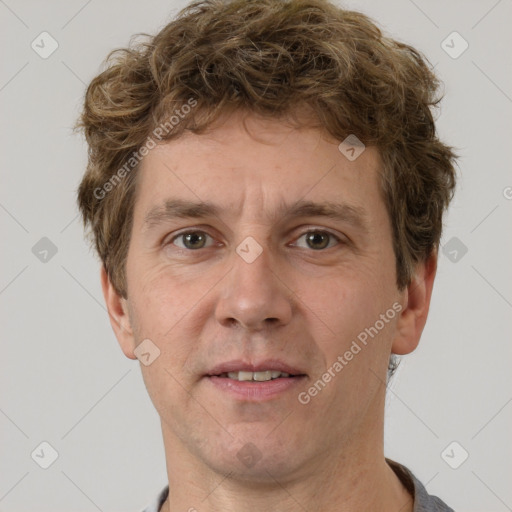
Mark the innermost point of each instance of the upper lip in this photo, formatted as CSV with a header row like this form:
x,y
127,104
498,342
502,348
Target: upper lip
x,y
244,366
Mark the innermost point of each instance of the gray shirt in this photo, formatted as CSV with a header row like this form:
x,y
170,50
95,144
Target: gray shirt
x,y
423,502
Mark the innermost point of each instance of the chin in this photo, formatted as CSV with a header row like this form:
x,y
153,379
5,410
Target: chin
x,y
261,461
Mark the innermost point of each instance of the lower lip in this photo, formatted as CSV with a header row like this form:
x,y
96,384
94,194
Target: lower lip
x,y
253,390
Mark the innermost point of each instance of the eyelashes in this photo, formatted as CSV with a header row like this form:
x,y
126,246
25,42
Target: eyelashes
x,y
198,239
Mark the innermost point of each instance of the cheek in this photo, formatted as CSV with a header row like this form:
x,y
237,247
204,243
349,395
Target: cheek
x,y
171,311
160,298
346,314
347,302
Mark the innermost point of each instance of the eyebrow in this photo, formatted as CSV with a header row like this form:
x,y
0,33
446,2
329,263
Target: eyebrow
x,y
174,208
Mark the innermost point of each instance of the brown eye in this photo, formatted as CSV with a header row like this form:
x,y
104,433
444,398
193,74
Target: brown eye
x,y
318,240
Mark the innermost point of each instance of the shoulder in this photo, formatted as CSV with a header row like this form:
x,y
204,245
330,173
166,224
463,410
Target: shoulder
x,y
423,501
158,501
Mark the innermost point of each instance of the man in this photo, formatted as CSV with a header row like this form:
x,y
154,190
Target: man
x,y
265,189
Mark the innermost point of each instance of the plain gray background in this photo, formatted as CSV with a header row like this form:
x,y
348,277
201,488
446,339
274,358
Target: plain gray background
x,y
65,381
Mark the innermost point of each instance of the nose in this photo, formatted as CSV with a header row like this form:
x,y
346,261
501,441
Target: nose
x,y
255,295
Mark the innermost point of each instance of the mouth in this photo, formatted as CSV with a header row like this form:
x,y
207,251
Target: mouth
x,y
255,382
261,376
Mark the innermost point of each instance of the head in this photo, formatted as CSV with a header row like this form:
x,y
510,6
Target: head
x,y
244,105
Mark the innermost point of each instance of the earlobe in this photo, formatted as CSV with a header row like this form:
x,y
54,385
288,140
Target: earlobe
x,y
417,303
118,314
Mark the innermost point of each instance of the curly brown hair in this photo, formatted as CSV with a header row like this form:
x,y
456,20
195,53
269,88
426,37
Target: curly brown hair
x,y
271,58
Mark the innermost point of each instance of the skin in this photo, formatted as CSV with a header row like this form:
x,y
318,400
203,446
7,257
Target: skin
x,y
203,306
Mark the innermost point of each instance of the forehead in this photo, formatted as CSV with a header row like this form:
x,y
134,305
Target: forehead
x,y
264,165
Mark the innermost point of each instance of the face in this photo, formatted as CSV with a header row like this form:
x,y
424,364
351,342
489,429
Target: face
x,y
284,270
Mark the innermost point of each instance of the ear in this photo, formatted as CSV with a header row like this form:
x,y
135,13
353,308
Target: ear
x,y
417,303
118,312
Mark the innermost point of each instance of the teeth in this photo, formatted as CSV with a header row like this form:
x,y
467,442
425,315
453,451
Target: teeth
x,y
257,376
262,376
244,375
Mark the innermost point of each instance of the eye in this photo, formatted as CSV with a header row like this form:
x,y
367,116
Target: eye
x,y
195,239
192,240
318,240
